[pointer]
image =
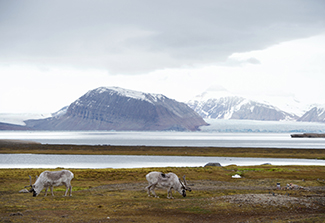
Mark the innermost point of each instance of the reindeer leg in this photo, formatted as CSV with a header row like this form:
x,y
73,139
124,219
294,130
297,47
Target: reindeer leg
x,y
46,191
52,191
148,189
70,187
170,192
66,190
153,191
151,188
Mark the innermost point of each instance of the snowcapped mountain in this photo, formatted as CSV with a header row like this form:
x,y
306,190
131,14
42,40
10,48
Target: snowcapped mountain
x,y
113,108
315,114
287,103
221,104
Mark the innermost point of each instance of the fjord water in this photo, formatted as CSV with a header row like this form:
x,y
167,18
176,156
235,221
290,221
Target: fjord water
x,y
124,161
197,139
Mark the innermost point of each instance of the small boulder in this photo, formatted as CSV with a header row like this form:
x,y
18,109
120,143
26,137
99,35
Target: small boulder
x,y
212,164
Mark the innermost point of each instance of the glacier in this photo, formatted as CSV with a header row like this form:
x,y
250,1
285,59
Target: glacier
x,y
19,118
235,125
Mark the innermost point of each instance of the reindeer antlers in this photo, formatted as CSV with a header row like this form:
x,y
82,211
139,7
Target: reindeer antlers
x,y
184,180
30,182
181,182
186,186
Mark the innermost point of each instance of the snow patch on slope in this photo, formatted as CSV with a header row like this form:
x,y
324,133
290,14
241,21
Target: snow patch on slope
x,y
287,103
131,94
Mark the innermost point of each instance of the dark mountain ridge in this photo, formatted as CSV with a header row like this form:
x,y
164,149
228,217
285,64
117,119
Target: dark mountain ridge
x,y
121,109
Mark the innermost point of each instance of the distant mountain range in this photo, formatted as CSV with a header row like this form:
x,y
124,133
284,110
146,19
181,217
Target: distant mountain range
x,y
221,104
315,114
113,108
239,108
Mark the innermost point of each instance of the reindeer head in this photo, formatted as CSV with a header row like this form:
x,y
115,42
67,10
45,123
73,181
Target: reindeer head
x,y
32,186
184,187
182,190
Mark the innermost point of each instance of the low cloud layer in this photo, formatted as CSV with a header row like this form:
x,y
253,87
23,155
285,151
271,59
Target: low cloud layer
x,y
130,37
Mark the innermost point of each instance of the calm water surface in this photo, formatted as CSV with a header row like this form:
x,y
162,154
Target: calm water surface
x,y
199,139
116,161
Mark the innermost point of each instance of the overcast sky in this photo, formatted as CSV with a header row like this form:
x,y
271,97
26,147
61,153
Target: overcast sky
x,y
52,52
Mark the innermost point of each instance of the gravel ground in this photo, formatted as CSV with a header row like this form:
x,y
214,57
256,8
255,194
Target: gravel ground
x,y
277,200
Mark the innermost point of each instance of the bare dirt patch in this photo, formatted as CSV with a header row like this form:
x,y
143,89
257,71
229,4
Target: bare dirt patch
x,y
271,199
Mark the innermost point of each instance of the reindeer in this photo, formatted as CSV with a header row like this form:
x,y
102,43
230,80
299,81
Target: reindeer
x,y
49,179
169,181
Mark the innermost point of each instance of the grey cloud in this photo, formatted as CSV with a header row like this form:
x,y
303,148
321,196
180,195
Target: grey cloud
x,y
253,60
139,36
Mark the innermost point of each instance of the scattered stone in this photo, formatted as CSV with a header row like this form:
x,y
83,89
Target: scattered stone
x,y
17,214
236,176
292,186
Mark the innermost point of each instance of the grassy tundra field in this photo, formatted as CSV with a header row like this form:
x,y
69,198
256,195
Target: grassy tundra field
x,y
119,195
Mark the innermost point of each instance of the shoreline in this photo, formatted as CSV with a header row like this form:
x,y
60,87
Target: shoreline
x,y
20,146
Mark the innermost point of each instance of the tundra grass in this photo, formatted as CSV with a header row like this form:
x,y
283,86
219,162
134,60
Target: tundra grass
x,y
119,195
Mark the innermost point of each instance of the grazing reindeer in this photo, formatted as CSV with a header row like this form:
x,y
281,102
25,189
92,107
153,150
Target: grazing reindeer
x,y
169,181
49,179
